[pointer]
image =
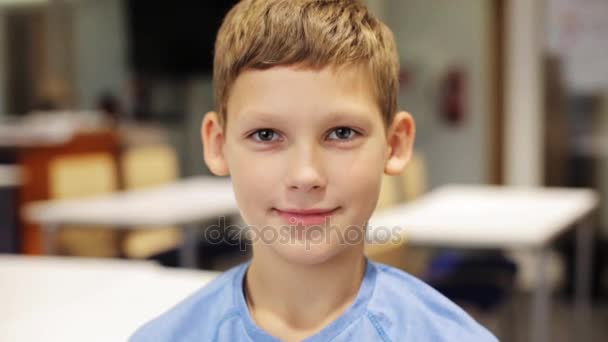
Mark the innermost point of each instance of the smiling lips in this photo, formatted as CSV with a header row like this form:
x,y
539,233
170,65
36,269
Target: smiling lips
x,y
306,217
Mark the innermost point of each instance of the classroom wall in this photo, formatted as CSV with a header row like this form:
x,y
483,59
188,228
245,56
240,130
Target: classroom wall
x,y
433,36
100,45
524,93
199,103
3,61
602,133
100,49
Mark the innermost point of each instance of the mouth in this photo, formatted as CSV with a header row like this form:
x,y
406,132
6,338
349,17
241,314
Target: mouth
x,y
306,217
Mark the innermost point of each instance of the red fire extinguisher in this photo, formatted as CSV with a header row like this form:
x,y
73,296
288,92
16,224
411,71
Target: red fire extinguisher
x,y
453,96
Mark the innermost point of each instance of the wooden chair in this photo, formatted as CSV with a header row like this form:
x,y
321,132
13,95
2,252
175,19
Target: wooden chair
x,y
141,167
78,176
35,161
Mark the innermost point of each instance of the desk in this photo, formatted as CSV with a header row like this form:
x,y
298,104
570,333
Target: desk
x,y
185,203
463,216
74,299
35,155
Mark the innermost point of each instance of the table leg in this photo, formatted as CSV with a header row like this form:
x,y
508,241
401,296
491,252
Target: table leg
x,y
188,254
49,233
541,299
582,285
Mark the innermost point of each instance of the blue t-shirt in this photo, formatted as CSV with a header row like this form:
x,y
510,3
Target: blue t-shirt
x,y
391,306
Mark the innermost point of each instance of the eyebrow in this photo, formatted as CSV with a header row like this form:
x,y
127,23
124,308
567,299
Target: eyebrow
x,y
262,117
360,117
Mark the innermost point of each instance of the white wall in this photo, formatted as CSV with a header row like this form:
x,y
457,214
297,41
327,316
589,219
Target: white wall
x,y
100,49
199,103
524,112
101,63
3,62
436,34
602,130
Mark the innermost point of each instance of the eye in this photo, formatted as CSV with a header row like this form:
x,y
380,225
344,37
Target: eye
x,y
265,135
342,133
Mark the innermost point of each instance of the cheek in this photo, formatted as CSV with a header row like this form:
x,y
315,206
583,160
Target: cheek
x,y
365,183
360,177
254,180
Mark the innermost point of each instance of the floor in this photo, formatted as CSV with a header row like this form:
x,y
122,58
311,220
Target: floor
x,y
514,326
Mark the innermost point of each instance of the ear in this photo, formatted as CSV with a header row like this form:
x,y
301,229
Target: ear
x,y
213,138
400,140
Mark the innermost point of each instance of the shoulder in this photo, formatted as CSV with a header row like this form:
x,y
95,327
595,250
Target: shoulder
x,y
405,306
197,317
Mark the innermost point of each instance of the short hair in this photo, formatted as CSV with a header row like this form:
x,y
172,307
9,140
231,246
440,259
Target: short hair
x,y
261,34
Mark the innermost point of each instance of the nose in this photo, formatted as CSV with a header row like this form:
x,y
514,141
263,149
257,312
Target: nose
x,y
306,170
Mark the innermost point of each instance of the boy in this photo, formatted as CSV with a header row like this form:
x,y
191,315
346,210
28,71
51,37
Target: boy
x,y
306,125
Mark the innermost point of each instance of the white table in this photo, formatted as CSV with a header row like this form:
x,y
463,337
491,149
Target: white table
x,y
73,299
464,216
186,203
47,128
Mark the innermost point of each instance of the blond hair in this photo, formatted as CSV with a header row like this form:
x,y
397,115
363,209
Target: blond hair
x,y
260,34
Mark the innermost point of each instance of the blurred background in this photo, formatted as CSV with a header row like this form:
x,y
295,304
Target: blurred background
x,y
106,96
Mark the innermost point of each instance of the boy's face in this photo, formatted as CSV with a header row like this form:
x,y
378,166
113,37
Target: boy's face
x,y
306,151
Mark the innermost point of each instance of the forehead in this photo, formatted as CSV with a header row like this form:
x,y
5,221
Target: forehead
x,y
293,90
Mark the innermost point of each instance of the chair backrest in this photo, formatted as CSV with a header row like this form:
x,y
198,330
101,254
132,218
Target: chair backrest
x,y
389,192
146,166
82,175
405,187
151,165
395,189
414,178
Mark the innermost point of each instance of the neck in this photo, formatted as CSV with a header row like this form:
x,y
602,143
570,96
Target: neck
x,y
311,296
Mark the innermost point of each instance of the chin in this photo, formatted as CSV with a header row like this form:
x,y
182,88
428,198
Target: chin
x,y
307,252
